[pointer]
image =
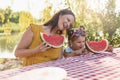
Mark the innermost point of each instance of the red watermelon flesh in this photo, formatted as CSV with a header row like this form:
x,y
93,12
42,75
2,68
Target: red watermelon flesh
x,y
97,46
55,41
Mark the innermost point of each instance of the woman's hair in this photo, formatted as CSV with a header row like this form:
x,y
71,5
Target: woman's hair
x,y
74,33
54,20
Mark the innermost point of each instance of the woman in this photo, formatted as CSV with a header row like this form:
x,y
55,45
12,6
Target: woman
x,y
32,49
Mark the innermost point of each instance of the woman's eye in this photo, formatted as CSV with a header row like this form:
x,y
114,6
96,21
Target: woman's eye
x,y
68,19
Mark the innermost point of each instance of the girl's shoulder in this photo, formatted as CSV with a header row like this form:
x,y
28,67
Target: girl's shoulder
x,y
68,49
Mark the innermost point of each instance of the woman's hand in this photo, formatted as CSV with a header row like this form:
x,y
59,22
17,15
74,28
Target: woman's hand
x,y
42,48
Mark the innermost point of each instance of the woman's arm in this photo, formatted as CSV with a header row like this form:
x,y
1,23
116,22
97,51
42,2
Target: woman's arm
x,y
23,50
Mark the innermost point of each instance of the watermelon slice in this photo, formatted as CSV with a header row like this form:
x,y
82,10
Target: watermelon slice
x,y
54,41
97,46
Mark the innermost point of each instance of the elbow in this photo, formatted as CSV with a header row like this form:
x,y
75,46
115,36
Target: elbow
x,y
17,54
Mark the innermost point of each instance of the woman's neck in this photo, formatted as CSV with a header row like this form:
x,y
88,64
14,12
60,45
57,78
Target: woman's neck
x,y
47,30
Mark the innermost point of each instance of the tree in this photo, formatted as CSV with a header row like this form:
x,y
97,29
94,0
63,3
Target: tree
x,y
85,16
14,17
7,14
109,18
25,19
1,18
46,14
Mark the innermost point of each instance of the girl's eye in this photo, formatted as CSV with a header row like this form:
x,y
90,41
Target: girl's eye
x,y
79,42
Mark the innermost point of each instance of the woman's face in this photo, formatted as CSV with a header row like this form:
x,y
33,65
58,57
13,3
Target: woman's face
x,y
65,21
78,43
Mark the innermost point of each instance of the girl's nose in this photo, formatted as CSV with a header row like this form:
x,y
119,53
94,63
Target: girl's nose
x,y
83,44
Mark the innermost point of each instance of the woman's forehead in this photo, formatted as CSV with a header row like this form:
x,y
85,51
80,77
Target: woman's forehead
x,y
70,16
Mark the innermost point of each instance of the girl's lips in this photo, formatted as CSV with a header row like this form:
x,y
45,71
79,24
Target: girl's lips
x,y
81,47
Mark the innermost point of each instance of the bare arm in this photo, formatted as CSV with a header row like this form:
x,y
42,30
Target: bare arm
x,y
78,52
110,48
66,54
23,50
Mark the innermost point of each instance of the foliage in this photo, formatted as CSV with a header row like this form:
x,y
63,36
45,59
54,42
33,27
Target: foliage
x,y
14,17
25,19
8,42
46,14
109,18
104,21
7,17
1,30
116,38
1,18
7,14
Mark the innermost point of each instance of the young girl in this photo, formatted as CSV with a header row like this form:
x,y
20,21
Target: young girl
x,y
76,41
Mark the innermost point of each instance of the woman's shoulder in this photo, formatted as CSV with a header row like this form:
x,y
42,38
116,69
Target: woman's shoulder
x,y
36,27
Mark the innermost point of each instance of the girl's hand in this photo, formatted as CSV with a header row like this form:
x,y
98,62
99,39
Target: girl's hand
x,y
110,48
79,52
85,51
42,48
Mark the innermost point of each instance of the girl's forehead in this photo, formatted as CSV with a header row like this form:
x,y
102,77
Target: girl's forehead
x,y
80,38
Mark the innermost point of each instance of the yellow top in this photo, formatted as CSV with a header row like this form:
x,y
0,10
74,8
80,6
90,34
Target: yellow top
x,y
50,54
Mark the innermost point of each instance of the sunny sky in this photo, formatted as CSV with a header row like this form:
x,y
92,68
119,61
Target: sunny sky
x,y
35,6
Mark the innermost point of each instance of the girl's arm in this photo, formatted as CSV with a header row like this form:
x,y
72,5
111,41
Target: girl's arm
x,y
110,48
73,53
67,54
85,51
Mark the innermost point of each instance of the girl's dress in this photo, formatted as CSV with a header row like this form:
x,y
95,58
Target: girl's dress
x,y
68,50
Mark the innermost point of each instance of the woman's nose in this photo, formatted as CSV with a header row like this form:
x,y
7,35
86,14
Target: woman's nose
x,y
69,25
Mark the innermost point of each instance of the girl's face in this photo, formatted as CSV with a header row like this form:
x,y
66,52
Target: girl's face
x,y
78,43
65,21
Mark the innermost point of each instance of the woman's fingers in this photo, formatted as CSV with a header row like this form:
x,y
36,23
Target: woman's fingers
x,y
43,47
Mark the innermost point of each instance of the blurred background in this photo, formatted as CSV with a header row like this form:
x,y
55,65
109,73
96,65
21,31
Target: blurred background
x,y
101,19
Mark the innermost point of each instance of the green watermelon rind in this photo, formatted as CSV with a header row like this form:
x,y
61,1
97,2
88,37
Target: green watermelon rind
x,y
91,50
41,37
